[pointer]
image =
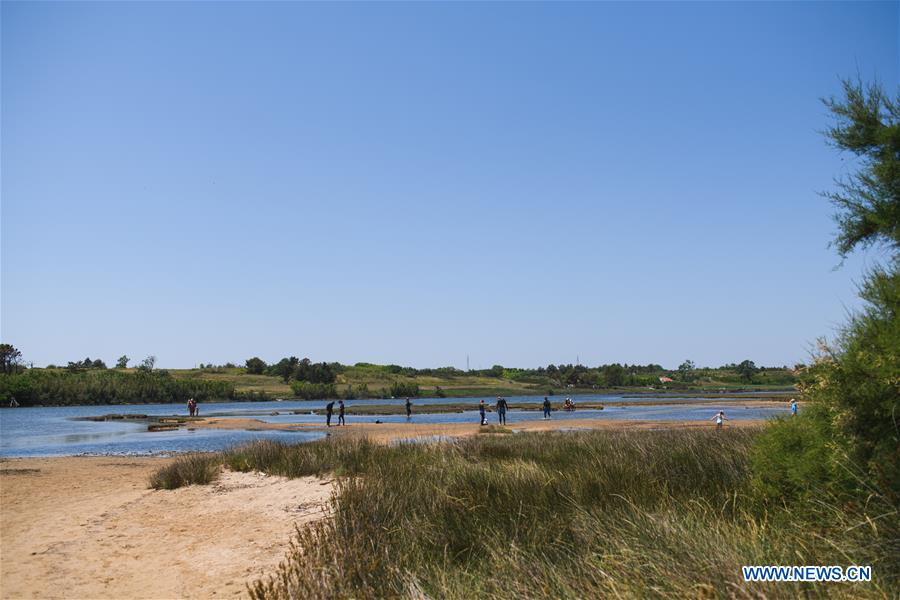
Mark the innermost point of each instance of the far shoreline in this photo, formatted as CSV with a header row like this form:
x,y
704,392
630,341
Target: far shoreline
x,y
625,393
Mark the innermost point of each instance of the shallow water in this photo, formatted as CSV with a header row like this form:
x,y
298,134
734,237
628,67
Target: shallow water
x,y
55,431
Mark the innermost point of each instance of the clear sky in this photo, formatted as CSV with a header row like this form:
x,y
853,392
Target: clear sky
x,y
412,183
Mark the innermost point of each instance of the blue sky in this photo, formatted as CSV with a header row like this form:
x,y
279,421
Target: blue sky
x,y
412,183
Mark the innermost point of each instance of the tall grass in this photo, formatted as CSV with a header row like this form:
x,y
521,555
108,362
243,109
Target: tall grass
x,y
556,515
344,457
187,469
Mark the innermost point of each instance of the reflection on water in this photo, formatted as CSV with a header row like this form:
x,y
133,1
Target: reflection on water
x,y
79,438
55,431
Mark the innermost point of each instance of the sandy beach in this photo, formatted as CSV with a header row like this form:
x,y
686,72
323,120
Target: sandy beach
x,y
89,527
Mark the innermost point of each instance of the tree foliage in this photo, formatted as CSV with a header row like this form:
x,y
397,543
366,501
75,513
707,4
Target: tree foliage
x,y
867,124
851,431
686,370
747,369
37,387
256,366
9,358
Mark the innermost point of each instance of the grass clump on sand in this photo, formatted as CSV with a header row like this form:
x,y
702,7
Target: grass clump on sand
x,y
494,429
557,515
344,457
187,469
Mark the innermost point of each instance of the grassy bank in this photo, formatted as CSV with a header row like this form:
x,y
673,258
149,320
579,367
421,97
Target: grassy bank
x,y
592,514
56,386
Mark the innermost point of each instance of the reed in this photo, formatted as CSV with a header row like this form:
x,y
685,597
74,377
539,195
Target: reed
x,y
187,469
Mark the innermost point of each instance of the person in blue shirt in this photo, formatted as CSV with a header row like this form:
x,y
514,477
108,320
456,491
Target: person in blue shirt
x,y
793,407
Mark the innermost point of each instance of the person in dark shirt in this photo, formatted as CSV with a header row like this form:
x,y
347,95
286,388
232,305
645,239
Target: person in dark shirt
x,y
546,408
481,409
329,410
501,409
341,413
408,409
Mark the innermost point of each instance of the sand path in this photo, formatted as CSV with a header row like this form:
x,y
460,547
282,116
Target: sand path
x,y
88,527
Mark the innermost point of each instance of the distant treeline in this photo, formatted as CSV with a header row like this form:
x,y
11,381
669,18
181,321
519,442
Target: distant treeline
x,y
89,381
317,391
293,369
37,387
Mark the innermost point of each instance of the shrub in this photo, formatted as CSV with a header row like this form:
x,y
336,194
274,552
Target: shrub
x,y
187,469
793,459
401,389
314,391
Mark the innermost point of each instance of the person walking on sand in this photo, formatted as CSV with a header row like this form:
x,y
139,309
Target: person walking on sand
x,y
501,409
341,413
720,419
329,410
481,409
408,409
793,407
546,407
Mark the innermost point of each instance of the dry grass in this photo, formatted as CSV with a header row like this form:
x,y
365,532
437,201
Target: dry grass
x,y
558,515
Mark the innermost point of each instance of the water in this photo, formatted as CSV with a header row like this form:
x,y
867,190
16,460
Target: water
x,y
55,431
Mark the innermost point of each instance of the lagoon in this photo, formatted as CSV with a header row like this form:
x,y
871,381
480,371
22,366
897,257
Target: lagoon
x,y
57,431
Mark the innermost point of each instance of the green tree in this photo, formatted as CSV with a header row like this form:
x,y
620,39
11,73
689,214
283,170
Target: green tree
x,y
9,358
148,363
613,375
867,124
747,369
853,384
286,367
686,370
122,363
256,366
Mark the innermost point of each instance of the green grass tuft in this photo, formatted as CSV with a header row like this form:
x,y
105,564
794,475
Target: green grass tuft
x,y
494,429
188,469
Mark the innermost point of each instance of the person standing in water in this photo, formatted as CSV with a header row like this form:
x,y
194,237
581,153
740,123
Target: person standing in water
x,y
501,409
720,419
793,407
329,410
341,413
546,407
481,409
408,409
